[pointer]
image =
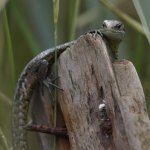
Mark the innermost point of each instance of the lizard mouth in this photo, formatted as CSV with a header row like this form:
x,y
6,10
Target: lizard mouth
x,y
111,34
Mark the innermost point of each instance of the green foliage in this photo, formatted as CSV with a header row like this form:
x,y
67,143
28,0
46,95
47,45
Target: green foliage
x,y
10,49
28,27
56,14
143,12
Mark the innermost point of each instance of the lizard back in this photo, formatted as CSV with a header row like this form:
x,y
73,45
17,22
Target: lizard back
x,y
24,90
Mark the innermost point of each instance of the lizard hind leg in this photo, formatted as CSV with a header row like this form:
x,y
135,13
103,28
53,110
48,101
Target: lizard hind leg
x,y
49,83
42,73
43,128
42,69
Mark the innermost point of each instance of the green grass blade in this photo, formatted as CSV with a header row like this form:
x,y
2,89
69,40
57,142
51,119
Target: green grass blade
x,y
138,57
5,99
130,21
2,4
144,16
4,140
56,14
22,24
73,13
10,50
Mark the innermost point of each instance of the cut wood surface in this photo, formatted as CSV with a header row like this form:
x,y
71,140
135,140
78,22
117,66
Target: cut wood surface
x,y
89,78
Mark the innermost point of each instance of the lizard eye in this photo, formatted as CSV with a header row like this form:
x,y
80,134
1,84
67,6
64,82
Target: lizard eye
x,y
119,26
104,25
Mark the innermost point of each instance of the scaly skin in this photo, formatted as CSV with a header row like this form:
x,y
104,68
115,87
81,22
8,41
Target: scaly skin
x,y
113,31
29,78
32,74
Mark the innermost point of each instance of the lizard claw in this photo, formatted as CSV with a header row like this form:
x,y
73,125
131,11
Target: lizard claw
x,y
100,33
48,83
96,33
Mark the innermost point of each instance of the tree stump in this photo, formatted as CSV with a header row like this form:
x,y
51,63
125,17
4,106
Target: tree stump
x,y
89,77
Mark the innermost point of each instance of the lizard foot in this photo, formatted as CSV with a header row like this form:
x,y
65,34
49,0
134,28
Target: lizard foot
x,y
96,33
47,130
48,83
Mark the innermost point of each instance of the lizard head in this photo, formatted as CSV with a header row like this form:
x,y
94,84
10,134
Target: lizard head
x,y
113,30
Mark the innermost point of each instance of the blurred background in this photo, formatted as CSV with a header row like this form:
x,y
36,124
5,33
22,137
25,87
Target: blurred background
x,y
27,28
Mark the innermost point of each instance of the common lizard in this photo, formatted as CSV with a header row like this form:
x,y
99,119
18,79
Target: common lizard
x,y
37,70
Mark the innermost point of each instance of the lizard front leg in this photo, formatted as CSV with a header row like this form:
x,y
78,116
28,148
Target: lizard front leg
x,y
48,82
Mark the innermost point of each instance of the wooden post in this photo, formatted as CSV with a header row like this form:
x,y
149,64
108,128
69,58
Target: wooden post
x,y
89,78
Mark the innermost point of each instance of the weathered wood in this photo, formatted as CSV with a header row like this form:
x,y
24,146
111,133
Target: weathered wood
x,y
88,77
132,105
42,114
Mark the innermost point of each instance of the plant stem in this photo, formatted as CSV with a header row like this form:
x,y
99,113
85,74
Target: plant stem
x,y
56,13
130,21
10,49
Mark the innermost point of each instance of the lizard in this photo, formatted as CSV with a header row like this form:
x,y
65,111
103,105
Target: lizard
x,y
114,32
37,70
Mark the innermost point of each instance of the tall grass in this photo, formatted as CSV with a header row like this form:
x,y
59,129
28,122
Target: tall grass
x,y
22,42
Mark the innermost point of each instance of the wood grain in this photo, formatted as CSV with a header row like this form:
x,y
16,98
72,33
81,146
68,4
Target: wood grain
x,y
89,77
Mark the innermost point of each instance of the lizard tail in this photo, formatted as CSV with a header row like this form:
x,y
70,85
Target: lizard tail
x,y
20,111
